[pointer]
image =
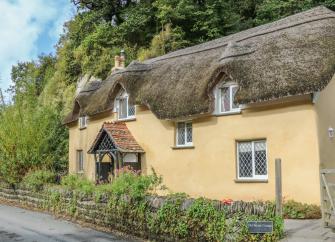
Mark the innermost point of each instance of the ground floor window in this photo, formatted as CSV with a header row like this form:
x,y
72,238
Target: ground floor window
x,y
184,134
252,160
80,160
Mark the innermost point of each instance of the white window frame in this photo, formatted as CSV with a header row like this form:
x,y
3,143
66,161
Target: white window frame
x,y
254,176
83,122
218,99
124,96
80,160
187,144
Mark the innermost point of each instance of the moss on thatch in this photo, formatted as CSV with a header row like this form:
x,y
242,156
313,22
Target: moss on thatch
x,y
292,56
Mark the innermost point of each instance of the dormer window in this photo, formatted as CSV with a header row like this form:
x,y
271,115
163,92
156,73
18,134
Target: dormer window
x,y
225,96
83,122
124,109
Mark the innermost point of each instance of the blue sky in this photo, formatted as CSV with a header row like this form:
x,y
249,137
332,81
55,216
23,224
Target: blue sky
x,y
29,28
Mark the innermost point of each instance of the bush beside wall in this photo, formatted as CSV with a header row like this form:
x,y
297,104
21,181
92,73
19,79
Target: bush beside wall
x,y
172,218
297,210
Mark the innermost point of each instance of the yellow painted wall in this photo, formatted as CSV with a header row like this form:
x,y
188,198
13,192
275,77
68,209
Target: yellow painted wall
x,y
82,140
210,168
325,108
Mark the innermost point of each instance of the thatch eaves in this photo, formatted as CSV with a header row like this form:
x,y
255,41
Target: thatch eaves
x,y
292,56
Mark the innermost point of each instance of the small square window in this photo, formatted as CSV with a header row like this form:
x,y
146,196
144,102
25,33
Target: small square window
x,y
83,122
184,135
125,111
80,160
252,160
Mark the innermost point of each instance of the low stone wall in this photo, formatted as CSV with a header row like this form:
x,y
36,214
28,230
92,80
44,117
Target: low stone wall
x,y
122,216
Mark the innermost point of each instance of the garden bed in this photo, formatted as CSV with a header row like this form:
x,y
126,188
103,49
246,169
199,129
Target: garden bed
x,y
172,218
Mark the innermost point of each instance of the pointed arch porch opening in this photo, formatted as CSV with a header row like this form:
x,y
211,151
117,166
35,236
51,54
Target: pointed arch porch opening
x,y
114,141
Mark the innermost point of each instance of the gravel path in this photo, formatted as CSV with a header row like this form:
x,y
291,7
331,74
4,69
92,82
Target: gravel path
x,y
18,224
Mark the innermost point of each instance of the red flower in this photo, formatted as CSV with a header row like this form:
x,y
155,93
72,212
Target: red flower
x,y
227,201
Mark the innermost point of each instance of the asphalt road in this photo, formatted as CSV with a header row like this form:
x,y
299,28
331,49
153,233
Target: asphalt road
x,y
23,225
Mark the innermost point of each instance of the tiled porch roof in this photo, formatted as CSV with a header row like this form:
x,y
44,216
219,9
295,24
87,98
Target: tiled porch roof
x,y
121,137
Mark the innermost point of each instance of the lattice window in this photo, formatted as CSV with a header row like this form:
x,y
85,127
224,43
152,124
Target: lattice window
x,y
125,111
234,90
252,160
106,143
245,160
260,158
80,160
226,96
131,111
184,134
189,132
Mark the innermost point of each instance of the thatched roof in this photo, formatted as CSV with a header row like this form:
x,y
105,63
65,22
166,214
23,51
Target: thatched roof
x,y
292,56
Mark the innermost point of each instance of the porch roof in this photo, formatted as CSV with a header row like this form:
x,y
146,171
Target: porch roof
x,y
121,137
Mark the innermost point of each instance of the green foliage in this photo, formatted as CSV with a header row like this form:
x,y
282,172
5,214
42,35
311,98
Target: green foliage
x,y
78,183
31,137
167,40
297,210
36,180
202,221
169,218
205,221
134,185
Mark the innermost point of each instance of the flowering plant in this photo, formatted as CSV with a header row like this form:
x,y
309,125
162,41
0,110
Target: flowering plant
x,y
227,201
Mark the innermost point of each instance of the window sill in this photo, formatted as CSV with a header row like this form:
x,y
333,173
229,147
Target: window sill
x,y
126,120
182,147
228,113
251,181
80,172
83,128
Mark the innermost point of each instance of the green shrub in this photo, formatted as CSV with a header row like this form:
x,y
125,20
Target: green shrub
x,y
297,210
36,180
129,182
170,218
78,184
205,221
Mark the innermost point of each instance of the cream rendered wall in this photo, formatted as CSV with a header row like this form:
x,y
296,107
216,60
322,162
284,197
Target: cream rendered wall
x,y
325,108
82,139
210,168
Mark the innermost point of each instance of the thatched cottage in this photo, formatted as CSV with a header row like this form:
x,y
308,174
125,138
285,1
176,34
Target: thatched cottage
x,y
212,118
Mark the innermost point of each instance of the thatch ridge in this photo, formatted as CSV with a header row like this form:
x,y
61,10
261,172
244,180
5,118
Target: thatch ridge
x,y
288,57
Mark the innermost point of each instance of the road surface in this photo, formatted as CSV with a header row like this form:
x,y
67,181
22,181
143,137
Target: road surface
x,y
27,226
307,231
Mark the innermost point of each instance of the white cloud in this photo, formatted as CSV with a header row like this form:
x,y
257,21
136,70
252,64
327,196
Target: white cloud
x,y
21,24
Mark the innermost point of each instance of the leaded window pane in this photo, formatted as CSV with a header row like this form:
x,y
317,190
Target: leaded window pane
x,y
189,132
245,159
260,158
131,110
123,108
181,134
225,99
234,91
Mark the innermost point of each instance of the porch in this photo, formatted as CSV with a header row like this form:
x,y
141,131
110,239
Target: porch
x,y
115,148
